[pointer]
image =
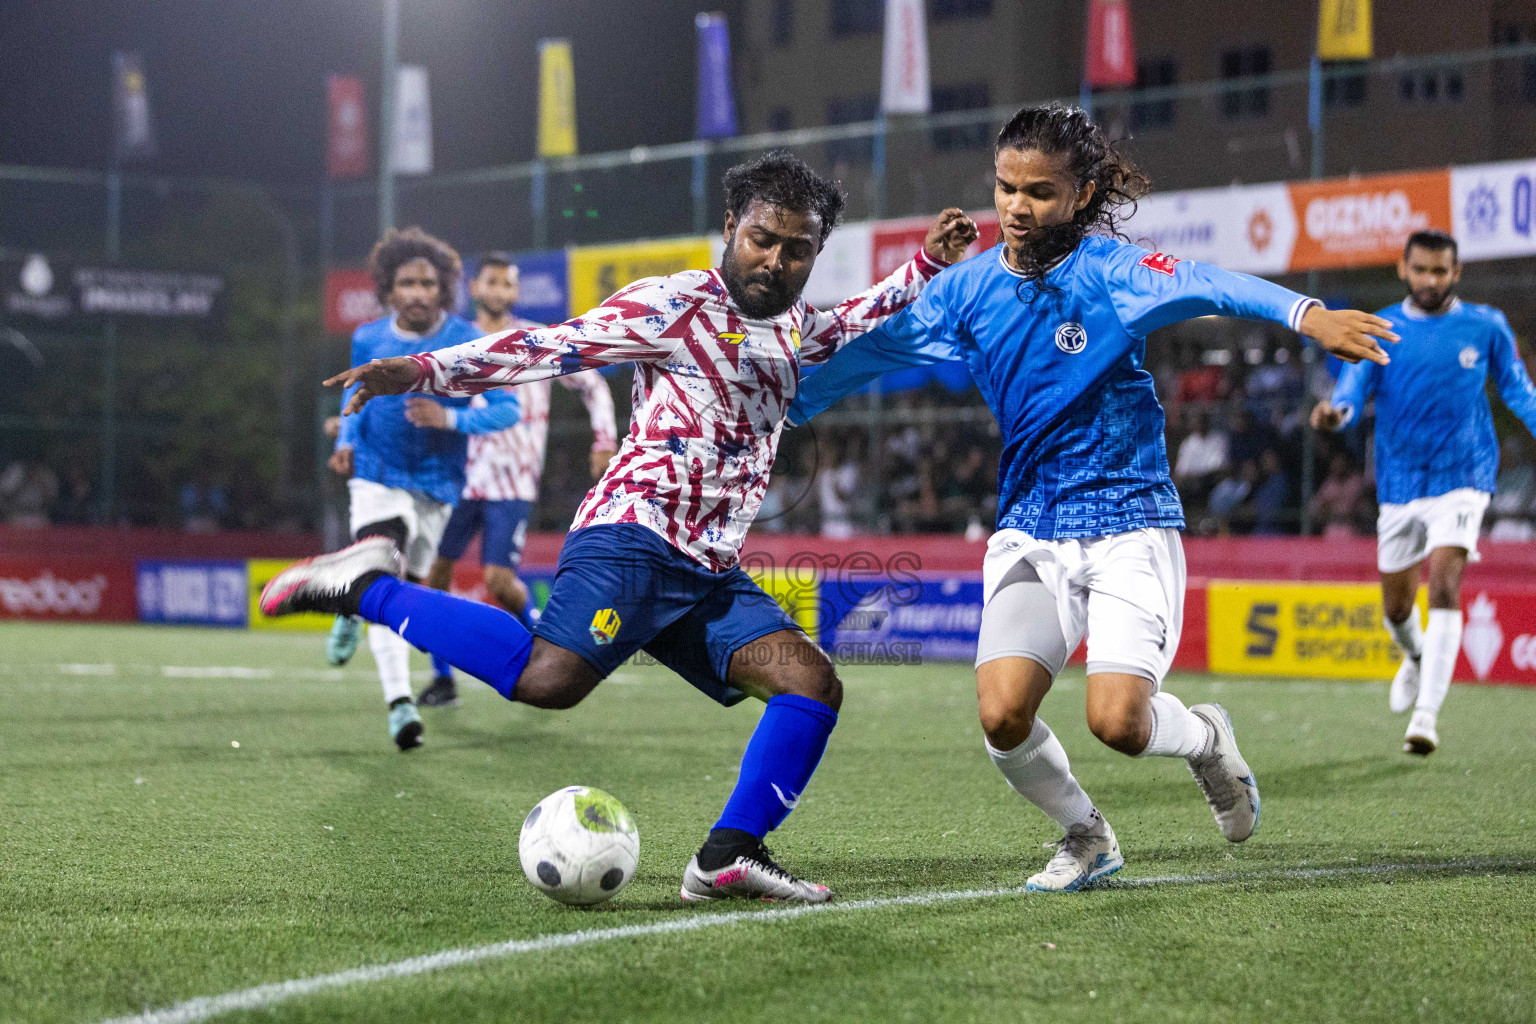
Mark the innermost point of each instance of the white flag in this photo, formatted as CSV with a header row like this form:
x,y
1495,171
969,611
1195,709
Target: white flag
x,y
413,122
904,68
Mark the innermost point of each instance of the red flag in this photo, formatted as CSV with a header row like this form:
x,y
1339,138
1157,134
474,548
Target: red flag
x,y
1111,53
346,148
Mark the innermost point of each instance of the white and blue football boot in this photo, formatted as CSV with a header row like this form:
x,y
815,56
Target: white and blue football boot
x,y
1225,778
1083,856
341,644
405,726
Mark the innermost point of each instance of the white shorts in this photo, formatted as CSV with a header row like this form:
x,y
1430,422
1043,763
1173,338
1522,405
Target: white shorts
x,y
1407,533
424,519
1125,592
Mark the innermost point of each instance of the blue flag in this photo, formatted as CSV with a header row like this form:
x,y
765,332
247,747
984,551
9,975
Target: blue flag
x,y
717,105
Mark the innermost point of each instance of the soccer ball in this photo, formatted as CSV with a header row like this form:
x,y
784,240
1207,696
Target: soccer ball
x,y
579,846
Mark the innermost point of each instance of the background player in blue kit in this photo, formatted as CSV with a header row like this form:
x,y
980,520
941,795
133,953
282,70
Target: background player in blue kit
x,y
1052,324
1436,459
406,468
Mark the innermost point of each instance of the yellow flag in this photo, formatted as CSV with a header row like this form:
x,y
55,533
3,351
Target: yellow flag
x,y
557,98
1344,30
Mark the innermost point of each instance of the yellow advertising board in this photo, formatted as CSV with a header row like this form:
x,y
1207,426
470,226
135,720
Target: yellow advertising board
x,y
557,98
797,591
597,271
1344,30
259,571
1329,630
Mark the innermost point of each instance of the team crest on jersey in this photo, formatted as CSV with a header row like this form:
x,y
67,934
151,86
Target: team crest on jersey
x,y
1467,358
605,627
1071,338
1160,262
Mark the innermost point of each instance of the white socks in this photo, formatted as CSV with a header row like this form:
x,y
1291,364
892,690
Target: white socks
x,y
1442,640
1176,731
1037,769
1408,634
393,655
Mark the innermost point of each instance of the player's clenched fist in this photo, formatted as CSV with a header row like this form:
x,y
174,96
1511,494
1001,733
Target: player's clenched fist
x,y
1327,416
393,376
1348,333
951,233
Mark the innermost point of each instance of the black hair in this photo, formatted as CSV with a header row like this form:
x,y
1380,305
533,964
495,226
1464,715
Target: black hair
x,y
1069,132
397,248
493,259
1434,241
779,178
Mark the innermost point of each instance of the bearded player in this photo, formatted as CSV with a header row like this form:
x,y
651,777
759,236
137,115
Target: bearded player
x,y
1436,459
405,463
1053,325
652,559
501,480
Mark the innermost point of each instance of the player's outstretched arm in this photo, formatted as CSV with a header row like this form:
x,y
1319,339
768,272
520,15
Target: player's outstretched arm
x,y
393,376
1349,334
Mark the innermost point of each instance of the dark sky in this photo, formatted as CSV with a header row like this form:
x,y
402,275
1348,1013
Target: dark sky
x,y
237,86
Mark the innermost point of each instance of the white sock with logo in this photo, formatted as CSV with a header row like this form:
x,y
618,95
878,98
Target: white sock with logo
x,y
1409,634
1442,642
1038,771
393,655
1176,730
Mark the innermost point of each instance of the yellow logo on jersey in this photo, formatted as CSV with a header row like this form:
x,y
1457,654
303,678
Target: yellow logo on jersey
x,y
732,338
605,626
794,336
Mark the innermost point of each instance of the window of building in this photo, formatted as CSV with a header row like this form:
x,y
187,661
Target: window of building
x,y
780,119
783,22
947,10
1345,90
852,111
1151,114
852,17
966,96
1515,83
1443,86
1247,62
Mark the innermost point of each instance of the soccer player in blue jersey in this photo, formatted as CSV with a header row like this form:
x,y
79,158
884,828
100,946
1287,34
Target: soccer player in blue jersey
x,y
1436,459
404,457
1052,324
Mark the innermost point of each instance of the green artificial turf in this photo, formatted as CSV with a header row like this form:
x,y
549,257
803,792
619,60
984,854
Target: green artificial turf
x,y
145,860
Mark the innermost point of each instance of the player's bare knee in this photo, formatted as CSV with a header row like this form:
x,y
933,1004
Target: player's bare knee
x,y
552,680
1119,727
1397,610
819,683
1005,724
1445,590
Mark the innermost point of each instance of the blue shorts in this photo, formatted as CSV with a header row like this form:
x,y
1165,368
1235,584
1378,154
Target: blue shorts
x,y
620,588
503,526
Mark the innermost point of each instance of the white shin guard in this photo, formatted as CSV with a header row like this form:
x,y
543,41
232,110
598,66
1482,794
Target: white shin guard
x,y
1176,731
1442,641
393,655
1038,771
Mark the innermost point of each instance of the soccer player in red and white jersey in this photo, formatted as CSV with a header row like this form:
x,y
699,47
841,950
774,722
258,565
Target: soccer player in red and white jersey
x,y
652,559
501,480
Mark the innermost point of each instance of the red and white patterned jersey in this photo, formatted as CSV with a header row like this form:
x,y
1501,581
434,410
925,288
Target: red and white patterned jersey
x,y
711,391
507,465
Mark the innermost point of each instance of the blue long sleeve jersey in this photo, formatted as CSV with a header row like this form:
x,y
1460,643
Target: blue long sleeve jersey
x,y
387,448
1061,369
1434,429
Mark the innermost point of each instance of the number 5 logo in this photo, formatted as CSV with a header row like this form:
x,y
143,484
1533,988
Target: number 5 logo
x,y
1263,635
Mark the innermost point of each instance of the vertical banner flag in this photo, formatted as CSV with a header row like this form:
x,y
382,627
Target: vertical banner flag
x,y
1344,30
717,107
413,122
346,136
134,135
1111,51
557,98
904,62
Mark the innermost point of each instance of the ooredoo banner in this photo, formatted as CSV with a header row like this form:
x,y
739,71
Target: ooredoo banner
x,y
1493,209
64,590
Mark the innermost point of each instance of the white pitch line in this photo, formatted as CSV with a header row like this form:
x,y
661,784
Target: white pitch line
x,y
205,1007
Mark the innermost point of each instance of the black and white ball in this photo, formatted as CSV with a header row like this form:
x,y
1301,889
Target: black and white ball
x,y
579,846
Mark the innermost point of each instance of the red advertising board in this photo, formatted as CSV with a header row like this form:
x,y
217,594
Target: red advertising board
x,y
896,241
1111,52
346,148
349,300
67,590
